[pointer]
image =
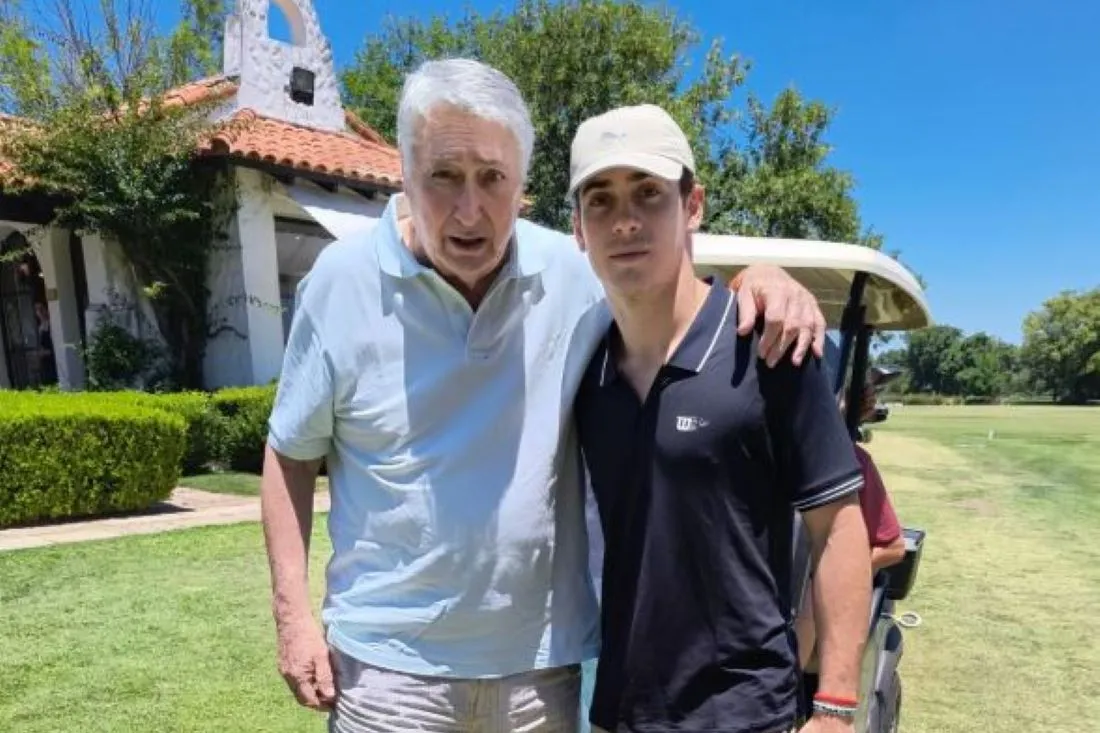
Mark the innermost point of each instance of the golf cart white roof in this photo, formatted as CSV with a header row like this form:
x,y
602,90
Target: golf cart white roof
x,y
894,298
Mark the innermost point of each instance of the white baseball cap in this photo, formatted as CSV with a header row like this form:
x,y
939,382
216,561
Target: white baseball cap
x,y
643,137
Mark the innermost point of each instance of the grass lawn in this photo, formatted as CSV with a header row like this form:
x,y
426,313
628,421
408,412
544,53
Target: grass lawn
x,y
156,633
233,482
173,632
1010,580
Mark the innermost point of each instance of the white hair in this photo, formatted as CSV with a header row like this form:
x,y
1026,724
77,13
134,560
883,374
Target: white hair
x,y
469,85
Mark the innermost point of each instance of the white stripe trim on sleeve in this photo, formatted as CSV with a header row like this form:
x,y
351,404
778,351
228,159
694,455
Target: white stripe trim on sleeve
x,y
831,494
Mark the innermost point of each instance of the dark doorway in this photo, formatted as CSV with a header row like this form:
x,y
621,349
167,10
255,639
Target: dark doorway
x,y
24,316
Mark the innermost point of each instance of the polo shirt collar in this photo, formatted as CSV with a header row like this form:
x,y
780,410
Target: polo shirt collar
x,y
397,260
698,343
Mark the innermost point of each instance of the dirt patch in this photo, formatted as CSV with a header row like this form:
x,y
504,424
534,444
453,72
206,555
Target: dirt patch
x,y
909,451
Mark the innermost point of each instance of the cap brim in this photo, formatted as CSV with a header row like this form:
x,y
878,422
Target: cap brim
x,y
656,165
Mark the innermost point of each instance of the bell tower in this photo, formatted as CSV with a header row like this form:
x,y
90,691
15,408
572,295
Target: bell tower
x,y
295,81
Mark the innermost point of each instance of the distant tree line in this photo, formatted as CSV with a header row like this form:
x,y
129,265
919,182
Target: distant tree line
x,y
1058,359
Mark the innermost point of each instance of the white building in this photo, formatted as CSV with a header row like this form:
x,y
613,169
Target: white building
x,y
307,171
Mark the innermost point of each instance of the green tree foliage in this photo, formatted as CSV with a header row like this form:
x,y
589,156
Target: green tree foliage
x,y
1062,346
100,51
779,183
576,58
986,366
933,359
122,163
942,360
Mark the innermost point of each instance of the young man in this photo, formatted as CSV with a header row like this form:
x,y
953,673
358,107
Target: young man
x,y
698,457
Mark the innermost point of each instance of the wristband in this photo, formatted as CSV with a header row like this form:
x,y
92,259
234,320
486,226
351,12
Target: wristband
x,y
846,702
837,707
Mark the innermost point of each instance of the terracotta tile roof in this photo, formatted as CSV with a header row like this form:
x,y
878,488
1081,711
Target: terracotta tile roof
x,y
358,154
349,155
202,90
355,155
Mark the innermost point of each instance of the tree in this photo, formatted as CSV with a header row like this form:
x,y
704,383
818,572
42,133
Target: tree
x,y
1062,346
941,359
51,52
778,183
934,358
576,58
100,138
985,366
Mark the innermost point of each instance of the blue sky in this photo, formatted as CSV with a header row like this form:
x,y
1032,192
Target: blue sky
x,y
972,128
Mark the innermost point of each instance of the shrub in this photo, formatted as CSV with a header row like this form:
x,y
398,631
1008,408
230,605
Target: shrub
x,y
117,360
928,398
245,411
79,455
205,426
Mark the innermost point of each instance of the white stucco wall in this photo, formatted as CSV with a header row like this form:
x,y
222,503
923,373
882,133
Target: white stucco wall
x,y
244,286
113,290
264,64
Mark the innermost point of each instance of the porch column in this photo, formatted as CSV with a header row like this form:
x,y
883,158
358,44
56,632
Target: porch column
x,y
244,290
51,246
97,269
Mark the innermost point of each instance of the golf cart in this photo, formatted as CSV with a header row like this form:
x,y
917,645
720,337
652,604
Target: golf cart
x,y
860,291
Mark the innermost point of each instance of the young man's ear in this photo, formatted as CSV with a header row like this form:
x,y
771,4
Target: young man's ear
x,y
696,204
577,233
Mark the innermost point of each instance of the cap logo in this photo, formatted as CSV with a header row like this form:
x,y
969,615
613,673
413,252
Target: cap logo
x,y
613,137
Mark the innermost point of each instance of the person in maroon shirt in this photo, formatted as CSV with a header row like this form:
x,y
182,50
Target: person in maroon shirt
x,y
883,533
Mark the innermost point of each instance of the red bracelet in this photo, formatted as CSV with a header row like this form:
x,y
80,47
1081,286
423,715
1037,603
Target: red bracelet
x,y
846,702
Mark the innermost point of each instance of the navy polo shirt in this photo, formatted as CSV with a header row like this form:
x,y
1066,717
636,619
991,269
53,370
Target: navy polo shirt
x,y
697,487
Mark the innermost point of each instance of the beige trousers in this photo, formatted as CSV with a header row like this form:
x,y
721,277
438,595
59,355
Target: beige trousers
x,y
374,700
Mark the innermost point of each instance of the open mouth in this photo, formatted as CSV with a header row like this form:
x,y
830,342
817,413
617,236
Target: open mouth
x,y
468,243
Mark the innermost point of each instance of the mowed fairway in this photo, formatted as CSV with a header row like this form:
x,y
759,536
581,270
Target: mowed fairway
x,y
173,632
1009,585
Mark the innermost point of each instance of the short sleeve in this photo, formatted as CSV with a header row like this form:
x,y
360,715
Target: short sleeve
x,y
878,514
810,441
301,422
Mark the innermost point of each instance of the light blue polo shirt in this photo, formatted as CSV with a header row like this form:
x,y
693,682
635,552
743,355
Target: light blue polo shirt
x,y
458,508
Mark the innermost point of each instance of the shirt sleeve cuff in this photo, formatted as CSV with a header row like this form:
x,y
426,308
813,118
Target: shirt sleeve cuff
x,y
831,492
298,450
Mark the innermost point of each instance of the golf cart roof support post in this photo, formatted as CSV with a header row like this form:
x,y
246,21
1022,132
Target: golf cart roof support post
x,y
852,320
859,375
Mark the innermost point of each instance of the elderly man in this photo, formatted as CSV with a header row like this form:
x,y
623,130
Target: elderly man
x,y
434,364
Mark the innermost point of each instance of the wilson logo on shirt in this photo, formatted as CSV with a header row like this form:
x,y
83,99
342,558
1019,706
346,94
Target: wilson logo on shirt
x,y
689,424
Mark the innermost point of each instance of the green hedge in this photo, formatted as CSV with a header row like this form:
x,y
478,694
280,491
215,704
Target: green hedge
x,y
205,426
244,411
80,455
